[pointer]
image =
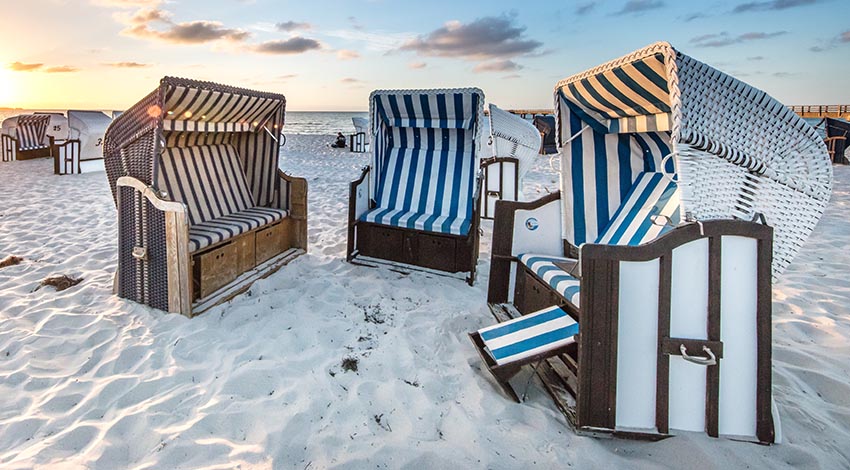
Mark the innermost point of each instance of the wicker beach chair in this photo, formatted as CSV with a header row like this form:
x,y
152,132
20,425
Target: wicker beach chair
x,y
83,151
516,144
25,137
358,141
418,201
684,194
203,208
546,126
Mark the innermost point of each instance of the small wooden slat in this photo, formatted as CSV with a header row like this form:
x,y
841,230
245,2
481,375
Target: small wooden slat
x,y
712,393
662,373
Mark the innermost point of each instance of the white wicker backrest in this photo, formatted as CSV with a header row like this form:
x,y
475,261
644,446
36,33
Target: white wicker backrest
x,y
514,136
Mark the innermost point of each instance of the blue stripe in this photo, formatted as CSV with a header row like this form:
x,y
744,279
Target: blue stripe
x,y
455,194
669,166
593,123
631,217
535,342
599,98
648,157
624,156
525,322
600,157
636,88
426,110
576,164
442,112
647,223
651,75
620,95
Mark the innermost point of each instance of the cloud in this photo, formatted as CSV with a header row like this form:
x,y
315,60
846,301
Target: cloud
x,y
482,39
127,65
126,3
287,76
585,8
756,57
350,80
417,65
695,16
497,66
61,69
288,26
725,39
845,36
190,32
347,54
635,7
771,5
842,38
293,45
22,67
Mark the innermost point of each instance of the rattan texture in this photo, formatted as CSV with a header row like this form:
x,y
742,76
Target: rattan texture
x,y
513,136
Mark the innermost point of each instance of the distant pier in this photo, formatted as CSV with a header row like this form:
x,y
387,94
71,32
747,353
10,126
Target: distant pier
x,y
836,111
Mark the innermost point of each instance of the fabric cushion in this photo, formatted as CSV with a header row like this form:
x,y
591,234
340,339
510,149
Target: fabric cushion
x,y
652,195
525,336
207,178
427,222
214,231
31,131
543,266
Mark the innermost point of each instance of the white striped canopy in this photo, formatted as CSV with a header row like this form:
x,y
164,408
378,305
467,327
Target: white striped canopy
x,y
89,128
734,151
196,109
516,137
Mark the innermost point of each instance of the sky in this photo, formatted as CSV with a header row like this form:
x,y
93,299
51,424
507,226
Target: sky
x,y
329,55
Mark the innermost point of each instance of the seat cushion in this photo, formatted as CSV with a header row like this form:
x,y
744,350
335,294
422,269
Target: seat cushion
x,y
543,266
209,179
427,222
525,336
217,230
652,195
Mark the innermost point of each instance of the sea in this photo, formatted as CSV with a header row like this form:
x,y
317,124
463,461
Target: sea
x,y
297,122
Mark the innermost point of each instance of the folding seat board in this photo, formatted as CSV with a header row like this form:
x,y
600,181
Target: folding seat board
x,y
422,180
684,194
204,209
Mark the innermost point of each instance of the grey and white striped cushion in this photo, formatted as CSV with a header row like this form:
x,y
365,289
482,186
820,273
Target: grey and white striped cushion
x,y
214,231
208,178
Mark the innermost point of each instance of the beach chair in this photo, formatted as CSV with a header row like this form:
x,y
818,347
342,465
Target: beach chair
x,y
684,194
516,144
25,137
203,209
546,126
83,151
418,202
358,141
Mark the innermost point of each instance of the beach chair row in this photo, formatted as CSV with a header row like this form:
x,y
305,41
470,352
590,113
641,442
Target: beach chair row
x,y
641,291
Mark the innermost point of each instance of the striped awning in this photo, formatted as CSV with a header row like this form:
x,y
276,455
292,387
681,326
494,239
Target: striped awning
x,y
426,110
632,97
194,109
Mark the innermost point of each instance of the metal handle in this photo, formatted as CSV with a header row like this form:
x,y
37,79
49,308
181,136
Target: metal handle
x,y
711,360
140,252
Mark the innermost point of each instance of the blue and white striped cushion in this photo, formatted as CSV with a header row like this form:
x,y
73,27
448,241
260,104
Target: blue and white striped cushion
x,y
214,231
528,335
426,222
544,267
653,194
207,178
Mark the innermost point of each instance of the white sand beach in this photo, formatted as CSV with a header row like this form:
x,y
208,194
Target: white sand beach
x,y
89,380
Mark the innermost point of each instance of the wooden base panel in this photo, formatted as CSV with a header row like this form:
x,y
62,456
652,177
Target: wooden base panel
x,y
449,253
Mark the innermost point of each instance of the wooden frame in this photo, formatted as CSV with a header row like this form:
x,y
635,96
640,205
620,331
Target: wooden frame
x,y
410,246
11,151
357,142
500,194
583,382
185,270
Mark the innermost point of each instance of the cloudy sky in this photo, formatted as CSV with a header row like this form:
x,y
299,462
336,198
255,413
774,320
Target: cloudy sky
x,y
328,55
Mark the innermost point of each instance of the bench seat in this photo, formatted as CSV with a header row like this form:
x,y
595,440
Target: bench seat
x,y
543,266
223,228
426,222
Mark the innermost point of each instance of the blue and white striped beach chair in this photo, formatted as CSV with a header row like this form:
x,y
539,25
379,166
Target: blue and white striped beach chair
x,y
508,346
417,202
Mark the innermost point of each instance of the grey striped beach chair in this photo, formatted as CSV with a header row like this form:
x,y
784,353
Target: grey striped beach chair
x,y
30,139
203,208
684,194
418,201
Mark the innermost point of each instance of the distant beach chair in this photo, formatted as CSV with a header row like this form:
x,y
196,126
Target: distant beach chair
x,y
25,137
203,209
546,126
516,144
657,245
83,151
360,139
418,201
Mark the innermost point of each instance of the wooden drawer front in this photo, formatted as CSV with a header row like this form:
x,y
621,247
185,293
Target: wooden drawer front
x,y
245,246
381,242
269,242
436,252
216,268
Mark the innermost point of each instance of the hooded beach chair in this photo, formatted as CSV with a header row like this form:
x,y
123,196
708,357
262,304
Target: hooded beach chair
x,y
545,124
203,208
684,194
25,137
83,151
516,144
358,141
418,201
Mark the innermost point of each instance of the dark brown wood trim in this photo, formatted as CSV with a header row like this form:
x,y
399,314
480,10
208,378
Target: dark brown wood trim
x,y
485,167
765,431
352,208
712,373
502,246
662,373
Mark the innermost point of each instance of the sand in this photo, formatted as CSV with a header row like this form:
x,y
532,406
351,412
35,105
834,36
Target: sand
x,y
89,380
